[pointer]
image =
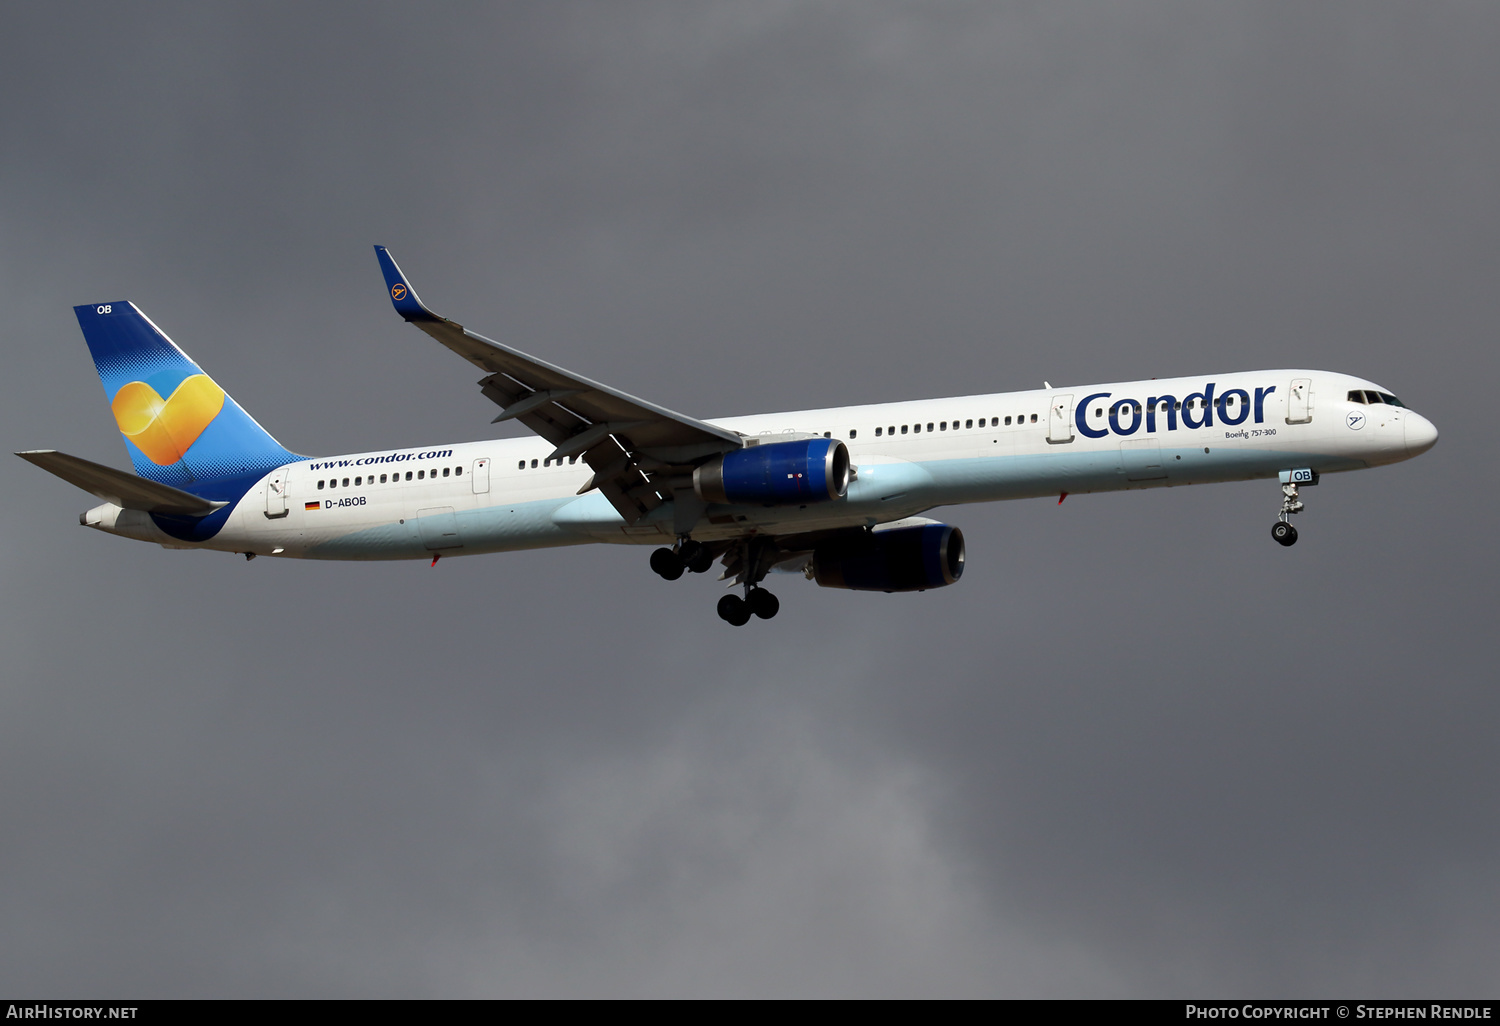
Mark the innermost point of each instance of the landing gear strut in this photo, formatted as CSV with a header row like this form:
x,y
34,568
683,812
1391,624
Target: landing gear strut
x,y
1282,530
746,563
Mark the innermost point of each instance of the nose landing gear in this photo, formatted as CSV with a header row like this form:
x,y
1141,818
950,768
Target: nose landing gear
x,y
1282,530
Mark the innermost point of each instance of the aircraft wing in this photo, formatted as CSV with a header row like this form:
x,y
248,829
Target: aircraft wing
x,y
124,490
640,452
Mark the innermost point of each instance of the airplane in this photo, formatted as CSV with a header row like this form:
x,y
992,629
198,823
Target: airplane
x,y
835,494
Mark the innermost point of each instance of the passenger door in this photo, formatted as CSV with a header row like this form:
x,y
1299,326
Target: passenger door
x,y
480,476
1060,420
1299,402
276,506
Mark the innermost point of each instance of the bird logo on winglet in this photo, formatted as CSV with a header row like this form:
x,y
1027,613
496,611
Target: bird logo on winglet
x,y
398,292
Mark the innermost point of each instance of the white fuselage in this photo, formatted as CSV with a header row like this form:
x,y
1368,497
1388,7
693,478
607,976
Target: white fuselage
x,y
497,495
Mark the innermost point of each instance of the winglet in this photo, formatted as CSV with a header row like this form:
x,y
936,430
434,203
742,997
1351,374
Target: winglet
x,y
403,296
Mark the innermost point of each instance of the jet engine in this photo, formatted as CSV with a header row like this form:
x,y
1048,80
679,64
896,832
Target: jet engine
x,y
776,474
900,559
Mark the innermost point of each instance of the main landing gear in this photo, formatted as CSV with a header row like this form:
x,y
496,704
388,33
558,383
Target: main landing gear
x,y
759,602
746,563
688,555
1282,530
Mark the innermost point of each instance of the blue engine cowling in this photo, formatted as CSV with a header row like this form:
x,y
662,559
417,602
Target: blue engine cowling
x,y
776,474
901,559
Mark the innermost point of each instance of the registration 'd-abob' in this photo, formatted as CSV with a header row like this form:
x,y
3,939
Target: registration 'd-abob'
x,y
837,494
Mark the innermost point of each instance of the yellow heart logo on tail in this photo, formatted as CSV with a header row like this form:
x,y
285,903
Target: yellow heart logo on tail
x,y
164,429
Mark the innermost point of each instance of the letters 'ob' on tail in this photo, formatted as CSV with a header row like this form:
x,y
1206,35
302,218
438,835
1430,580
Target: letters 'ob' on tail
x,y
180,427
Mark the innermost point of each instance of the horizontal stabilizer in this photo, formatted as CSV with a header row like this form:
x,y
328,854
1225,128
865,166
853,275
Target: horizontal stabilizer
x,y
124,490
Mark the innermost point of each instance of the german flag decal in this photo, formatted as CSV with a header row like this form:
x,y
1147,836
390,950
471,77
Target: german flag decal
x,y
312,505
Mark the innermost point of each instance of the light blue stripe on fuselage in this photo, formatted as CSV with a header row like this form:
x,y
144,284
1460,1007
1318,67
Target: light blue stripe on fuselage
x,y
881,492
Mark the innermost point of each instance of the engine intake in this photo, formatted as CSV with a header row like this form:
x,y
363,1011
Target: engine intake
x,y
776,474
901,559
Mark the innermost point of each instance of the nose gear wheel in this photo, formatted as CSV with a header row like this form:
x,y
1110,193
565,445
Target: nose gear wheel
x,y
1282,530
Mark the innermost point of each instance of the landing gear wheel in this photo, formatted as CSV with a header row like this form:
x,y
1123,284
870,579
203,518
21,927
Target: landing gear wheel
x,y
763,604
734,611
1284,533
700,561
667,564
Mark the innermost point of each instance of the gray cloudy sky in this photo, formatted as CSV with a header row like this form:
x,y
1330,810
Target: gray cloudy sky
x,y
1139,751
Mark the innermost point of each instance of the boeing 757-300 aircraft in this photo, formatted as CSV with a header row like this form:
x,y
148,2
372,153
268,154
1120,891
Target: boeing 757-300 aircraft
x,y
836,494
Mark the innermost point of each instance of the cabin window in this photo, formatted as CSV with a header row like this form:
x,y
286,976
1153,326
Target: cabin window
x,y
533,464
1007,422
877,432
572,460
969,423
521,465
445,471
827,434
458,471
1033,416
421,475
903,429
346,482
916,429
929,426
382,479
943,426
357,481
320,486
854,433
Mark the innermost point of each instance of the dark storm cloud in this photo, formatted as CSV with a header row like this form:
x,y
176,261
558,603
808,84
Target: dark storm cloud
x,y
1138,750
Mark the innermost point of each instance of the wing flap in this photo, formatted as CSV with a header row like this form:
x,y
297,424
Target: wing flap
x,y
575,414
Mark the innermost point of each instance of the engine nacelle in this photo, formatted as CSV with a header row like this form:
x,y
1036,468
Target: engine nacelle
x,y
901,559
776,474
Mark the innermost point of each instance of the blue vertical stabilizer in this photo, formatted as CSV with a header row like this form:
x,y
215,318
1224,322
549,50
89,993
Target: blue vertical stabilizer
x,y
180,427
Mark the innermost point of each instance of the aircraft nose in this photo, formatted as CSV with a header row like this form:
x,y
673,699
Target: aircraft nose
x,y
1421,435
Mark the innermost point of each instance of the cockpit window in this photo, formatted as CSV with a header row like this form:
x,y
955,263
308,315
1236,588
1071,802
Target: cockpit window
x,y
1372,398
